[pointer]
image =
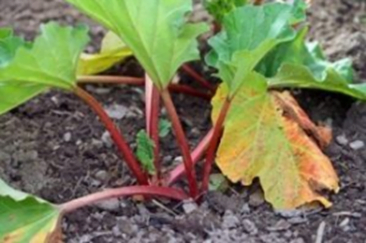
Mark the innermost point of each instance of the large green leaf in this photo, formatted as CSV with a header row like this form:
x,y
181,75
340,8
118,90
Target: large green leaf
x,y
155,30
242,44
112,51
25,218
297,64
13,94
52,59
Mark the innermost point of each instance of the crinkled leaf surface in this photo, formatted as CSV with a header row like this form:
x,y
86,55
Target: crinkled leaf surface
x,y
297,64
145,151
13,94
112,51
52,59
262,140
155,30
242,44
25,218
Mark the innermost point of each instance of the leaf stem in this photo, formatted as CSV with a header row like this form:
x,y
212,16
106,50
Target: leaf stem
x,y
196,155
106,79
182,142
122,192
191,72
177,88
152,98
115,134
211,151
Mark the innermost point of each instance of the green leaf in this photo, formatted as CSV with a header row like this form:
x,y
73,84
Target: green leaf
x,y
297,64
219,8
155,30
51,61
25,218
218,182
164,127
113,51
145,151
242,44
13,94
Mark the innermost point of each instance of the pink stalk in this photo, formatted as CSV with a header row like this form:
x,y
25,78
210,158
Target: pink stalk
x,y
122,192
110,80
152,100
182,142
115,134
211,151
196,155
181,88
197,77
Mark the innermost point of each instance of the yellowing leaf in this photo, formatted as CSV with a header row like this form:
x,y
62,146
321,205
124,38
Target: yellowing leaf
x,y
112,51
27,219
262,140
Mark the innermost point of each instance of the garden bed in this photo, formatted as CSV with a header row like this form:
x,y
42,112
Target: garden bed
x,y
56,148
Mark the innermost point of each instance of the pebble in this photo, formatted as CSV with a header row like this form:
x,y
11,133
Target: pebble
x,y
189,206
111,205
106,139
356,145
116,111
342,139
67,137
250,227
280,225
256,199
102,175
230,220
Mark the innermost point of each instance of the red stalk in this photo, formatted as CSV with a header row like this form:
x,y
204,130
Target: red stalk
x,y
122,192
177,88
211,151
110,80
152,99
197,77
196,155
182,142
115,134
181,88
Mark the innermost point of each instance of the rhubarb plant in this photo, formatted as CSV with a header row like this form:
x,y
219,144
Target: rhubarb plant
x,y
258,130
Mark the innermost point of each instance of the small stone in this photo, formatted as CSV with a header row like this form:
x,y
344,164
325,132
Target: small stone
x,y
342,140
116,111
280,226
189,206
102,175
344,223
250,227
297,240
67,137
256,199
97,143
111,205
230,220
245,209
107,140
356,145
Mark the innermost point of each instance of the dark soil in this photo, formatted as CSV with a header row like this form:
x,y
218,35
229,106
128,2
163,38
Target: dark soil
x,y
55,147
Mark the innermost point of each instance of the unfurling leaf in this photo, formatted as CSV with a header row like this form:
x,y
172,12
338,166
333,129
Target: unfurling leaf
x,y
51,61
264,138
112,51
145,151
219,8
218,182
242,44
164,127
156,31
26,219
13,94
